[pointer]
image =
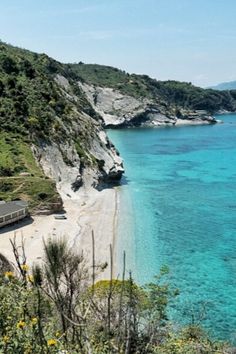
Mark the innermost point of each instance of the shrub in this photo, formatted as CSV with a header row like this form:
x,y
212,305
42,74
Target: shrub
x,y
57,306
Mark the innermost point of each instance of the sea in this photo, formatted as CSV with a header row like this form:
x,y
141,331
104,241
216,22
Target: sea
x,y
178,209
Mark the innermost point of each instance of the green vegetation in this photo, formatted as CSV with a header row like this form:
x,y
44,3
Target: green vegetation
x,y
31,101
21,177
81,151
85,157
26,90
29,97
57,307
16,156
34,109
178,94
40,193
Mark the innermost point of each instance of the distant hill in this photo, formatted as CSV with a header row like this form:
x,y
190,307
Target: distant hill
x,y
171,93
231,85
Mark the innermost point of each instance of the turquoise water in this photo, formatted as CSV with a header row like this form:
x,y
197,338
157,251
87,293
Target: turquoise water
x,y
181,212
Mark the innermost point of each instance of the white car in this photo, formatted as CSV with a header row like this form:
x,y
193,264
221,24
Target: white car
x,y
60,217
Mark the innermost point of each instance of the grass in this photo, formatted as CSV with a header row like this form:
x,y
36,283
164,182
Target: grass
x,y
84,155
80,150
16,157
37,191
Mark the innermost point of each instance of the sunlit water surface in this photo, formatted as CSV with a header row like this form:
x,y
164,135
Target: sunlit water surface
x,y
178,207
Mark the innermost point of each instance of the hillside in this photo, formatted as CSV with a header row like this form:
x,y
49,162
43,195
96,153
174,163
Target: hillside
x,y
170,98
21,177
231,85
49,132
181,94
52,119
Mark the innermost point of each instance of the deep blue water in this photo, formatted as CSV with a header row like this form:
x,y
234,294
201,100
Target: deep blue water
x,y
179,209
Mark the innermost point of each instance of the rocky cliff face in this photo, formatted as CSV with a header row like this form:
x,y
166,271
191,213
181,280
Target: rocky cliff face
x,y
84,157
44,111
61,162
119,110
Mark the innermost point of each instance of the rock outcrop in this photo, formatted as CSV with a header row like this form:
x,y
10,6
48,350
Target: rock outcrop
x,y
62,163
119,110
84,157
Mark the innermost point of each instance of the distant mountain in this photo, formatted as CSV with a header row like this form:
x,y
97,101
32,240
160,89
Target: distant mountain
x,y
231,85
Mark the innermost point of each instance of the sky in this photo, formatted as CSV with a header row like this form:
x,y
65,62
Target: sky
x,y
185,40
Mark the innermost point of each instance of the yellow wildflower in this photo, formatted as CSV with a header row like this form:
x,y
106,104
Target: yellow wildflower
x,y
30,278
9,275
5,339
25,267
21,324
28,349
51,342
34,321
58,334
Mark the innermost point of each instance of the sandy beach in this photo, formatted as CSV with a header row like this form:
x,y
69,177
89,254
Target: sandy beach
x,y
90,211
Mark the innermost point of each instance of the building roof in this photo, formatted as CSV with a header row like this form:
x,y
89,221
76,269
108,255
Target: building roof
x,y
10,207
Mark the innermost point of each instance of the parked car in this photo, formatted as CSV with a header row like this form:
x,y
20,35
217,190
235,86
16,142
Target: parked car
x,y
60,217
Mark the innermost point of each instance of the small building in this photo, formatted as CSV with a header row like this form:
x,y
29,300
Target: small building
x,y
11,212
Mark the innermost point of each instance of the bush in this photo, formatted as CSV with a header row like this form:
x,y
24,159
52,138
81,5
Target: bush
x,y
42,196
58,307
6,171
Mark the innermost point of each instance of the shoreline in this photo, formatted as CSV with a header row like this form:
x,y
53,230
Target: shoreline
x,y
99,213
91,210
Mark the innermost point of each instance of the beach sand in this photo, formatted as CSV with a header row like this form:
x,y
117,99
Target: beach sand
x,y
90,211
